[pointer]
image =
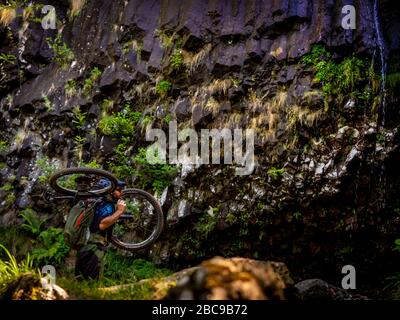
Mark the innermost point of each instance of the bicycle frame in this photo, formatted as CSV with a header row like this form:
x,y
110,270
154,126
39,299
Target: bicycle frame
x,y
49,197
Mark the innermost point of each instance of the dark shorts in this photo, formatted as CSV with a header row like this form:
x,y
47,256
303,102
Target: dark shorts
x,y
90,261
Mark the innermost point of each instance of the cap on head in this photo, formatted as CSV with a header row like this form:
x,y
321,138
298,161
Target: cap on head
x,y
121,184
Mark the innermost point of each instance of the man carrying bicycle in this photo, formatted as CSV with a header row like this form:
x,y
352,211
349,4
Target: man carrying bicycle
x,y
90,258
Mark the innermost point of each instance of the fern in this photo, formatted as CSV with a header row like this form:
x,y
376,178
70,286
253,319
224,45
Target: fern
x,y
33,223
53,248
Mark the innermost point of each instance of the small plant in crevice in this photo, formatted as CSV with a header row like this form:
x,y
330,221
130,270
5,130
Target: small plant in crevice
x,y
147,120
136,45
10,200
70,88
89,83
166,38
163,87
78,150
63,55
167,119
106,105
275,173
47,103
236,82
4,146
298,216
79,117
176,59
47,168
7,58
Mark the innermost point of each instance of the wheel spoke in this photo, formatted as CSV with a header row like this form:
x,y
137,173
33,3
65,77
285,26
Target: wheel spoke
x,y
145,223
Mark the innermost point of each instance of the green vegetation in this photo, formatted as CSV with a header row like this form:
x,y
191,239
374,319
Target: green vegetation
x,y
47,103
147,120
89,83
298,216
393,282
166,38
121,124
122,165
8,58
52,248
138,278
3,146
236,82
158,176
352,77
135,45
79,117
10,200
207,223
10,270
7,187
275,173
122,269
47,168
93,290
63,55
167,119
107,104
91,164
33,224
393,81
176,59
397,245
163,87
79,143
70,88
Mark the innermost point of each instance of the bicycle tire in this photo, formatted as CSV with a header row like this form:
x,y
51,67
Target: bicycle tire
x,y
157,230
69,171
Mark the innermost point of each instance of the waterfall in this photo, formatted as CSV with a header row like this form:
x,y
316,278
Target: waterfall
x,y
381,44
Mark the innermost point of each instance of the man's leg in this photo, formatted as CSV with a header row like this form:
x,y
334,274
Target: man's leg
x,y
89,261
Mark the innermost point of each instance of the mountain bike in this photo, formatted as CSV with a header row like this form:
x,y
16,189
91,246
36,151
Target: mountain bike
x,y
141,224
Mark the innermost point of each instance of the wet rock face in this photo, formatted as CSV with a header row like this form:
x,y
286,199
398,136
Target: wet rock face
x,y
320,183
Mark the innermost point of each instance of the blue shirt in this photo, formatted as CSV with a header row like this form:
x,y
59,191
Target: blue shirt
x,y
103,210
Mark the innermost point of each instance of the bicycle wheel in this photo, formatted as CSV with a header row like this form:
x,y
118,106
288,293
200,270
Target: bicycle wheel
x,y
141,225
83,182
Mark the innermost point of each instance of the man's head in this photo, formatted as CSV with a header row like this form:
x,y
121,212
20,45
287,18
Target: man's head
x,y
117,193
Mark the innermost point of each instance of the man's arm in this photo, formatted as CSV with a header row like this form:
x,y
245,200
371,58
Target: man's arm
x,y
110,220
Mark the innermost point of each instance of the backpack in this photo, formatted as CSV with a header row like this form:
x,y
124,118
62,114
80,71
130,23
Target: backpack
x,y
79,219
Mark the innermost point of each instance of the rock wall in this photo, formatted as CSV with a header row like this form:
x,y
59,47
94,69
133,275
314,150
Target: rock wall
x,y
324,190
